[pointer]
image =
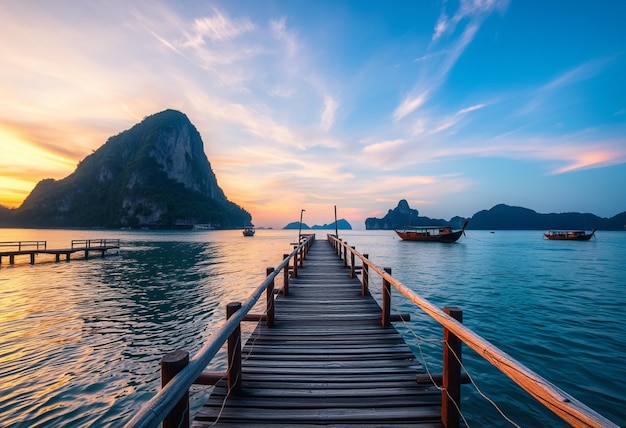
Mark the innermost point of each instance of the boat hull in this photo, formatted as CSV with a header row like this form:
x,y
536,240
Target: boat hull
x,y
422,237
569,236
565,238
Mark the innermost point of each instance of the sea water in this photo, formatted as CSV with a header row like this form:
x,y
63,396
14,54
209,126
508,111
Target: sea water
x,y
81,341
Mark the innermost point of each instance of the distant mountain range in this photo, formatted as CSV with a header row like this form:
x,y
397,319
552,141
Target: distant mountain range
x,y
342,224
154,175
500,217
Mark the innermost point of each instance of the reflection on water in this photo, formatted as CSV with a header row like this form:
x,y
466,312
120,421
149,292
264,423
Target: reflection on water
x,y
81,340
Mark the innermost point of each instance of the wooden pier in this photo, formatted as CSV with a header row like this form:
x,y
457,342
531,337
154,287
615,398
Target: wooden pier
x,y
325,353
12,249
327,359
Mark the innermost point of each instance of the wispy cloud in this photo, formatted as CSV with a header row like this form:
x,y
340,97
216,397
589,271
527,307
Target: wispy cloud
x,y
217,28
439,63
328,115
472,9
580,73
280,32
409,105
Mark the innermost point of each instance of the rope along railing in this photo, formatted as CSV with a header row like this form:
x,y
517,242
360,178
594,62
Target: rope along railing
x,y
556,400
171,404
436,379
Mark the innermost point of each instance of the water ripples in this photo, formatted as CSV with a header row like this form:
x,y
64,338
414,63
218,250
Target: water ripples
x,y
81,341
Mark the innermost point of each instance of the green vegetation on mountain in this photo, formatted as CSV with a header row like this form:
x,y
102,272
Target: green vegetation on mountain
x,y
499,217
154,175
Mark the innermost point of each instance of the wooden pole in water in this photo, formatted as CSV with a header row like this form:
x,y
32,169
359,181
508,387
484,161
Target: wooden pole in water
x,y
171,365
451,382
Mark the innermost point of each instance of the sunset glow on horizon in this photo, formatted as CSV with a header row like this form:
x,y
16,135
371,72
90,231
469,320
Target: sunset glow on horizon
x,y
455,106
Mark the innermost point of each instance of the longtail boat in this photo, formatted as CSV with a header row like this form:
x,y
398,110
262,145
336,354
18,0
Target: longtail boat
x,y
248,230
569,235
431,233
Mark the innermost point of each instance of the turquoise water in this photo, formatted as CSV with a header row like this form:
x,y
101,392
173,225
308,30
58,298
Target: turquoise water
x,y
81,340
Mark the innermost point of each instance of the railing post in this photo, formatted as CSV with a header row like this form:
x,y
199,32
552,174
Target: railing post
x,y
270,299
301,258
286,277
234,353
451,382
352,263
345,255
295,264
171,365
365,277
386,320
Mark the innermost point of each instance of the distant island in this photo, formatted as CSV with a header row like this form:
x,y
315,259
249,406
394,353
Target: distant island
x,y
342,224
499,217
154,175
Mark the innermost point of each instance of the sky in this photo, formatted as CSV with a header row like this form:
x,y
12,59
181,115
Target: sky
x,y
455,106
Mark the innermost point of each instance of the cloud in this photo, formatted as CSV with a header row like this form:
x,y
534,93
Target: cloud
x,y
475,10
451,121
328,115
280,32
217,28
436,70
580,73
409,105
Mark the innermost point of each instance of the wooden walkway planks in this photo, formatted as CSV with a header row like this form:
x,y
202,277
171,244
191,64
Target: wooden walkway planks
x,y
327,361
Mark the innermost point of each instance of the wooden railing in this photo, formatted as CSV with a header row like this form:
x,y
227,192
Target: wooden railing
x,y
170,405
22,245
95,243
556,400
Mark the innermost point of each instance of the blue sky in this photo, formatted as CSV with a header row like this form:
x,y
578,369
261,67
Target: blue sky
x,y
453,106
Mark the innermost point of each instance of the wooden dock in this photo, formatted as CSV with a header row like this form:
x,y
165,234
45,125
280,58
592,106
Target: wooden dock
x,y
328,360
326,354
32,249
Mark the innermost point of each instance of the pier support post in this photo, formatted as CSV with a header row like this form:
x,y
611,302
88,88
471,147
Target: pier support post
x,y
386,320
234,353
352,263
294,274
269,319
286,277
365,277
451,382
171,365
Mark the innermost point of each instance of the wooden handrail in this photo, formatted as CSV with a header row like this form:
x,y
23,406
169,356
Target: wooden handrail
x,y
95,243
24,244
159,407
556,400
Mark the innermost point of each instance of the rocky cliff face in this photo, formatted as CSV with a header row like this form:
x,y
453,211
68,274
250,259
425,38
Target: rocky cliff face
x,y
155,174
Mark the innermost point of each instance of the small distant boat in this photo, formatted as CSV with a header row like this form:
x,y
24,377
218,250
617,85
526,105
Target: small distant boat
x,y
430,233
248,230
569,235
